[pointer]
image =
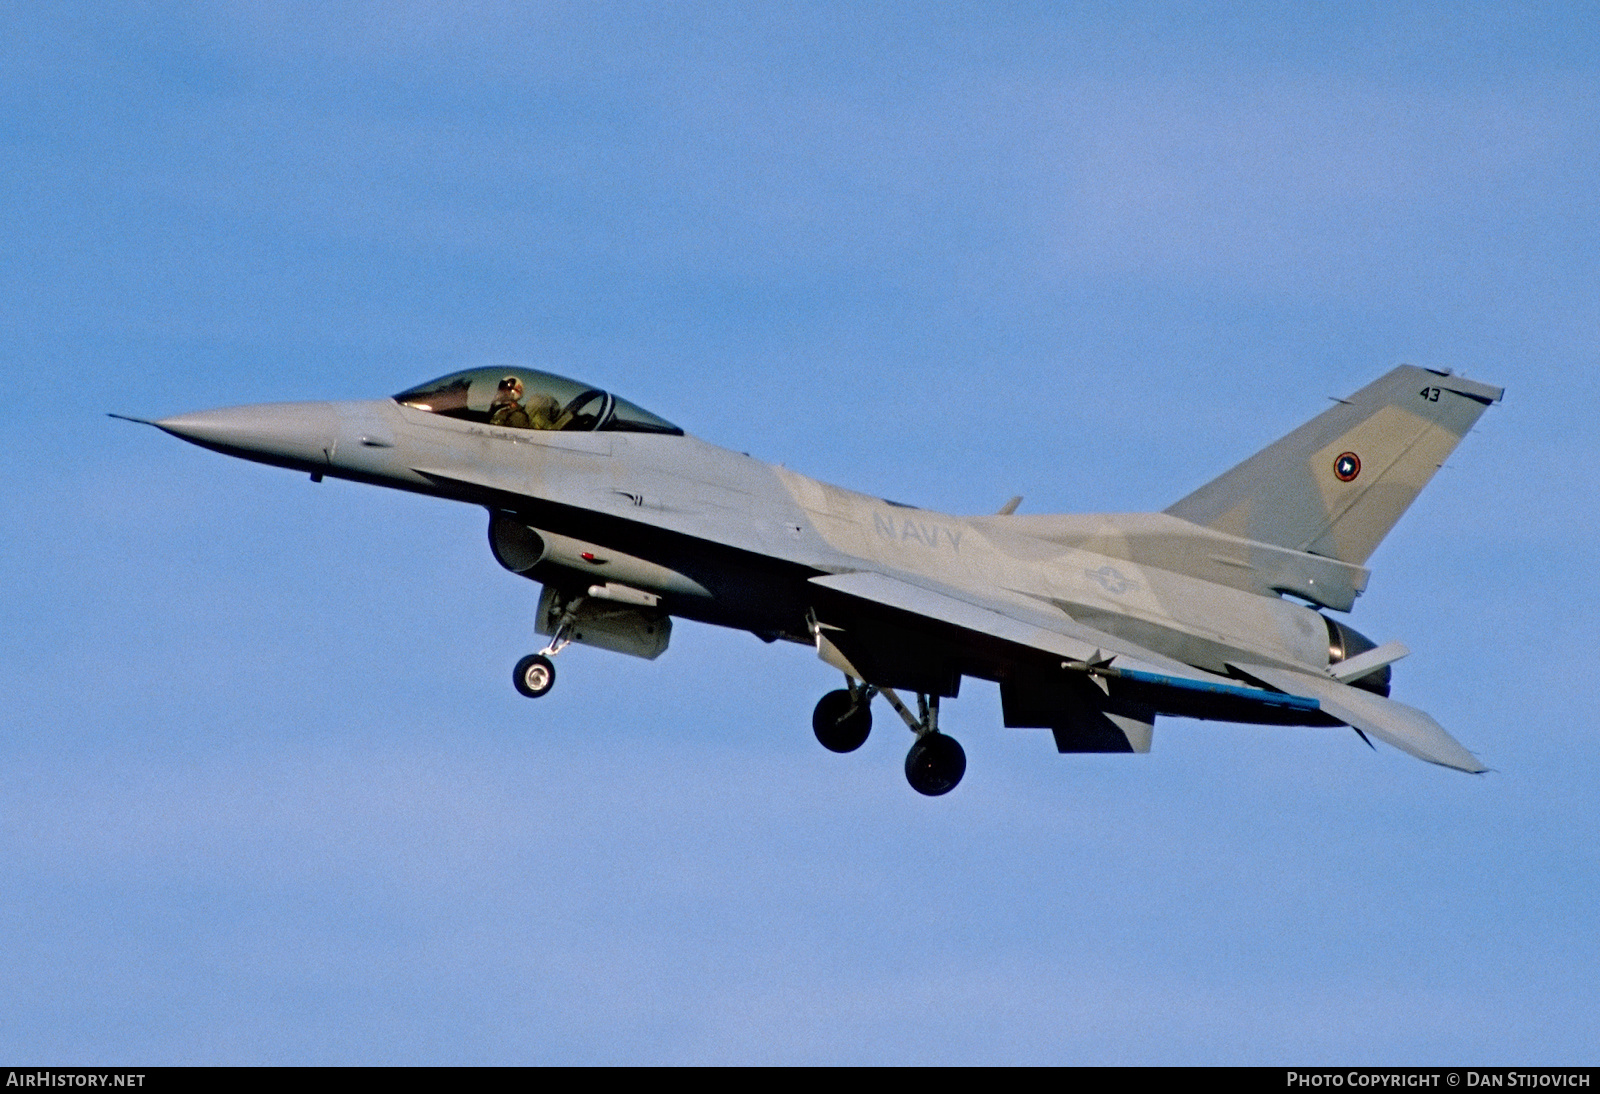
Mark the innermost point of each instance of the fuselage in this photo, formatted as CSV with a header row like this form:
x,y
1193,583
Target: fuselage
x,y
721,537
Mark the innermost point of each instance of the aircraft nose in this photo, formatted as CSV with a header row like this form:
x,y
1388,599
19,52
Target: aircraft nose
x,y
298,432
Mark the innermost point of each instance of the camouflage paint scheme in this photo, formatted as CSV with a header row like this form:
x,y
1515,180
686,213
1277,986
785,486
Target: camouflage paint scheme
x,y
1093,625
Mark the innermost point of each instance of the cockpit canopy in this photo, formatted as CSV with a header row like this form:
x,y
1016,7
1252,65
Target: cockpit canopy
x,y
524,398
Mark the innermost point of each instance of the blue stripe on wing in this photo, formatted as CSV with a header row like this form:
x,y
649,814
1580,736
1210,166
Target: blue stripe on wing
x,y
1255,695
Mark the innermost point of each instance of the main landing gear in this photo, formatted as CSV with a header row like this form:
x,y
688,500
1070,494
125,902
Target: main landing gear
x,y
843,719
535,674
935,764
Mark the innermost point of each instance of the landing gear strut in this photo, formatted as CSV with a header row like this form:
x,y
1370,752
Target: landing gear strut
x,y
935,763
535,674
843,719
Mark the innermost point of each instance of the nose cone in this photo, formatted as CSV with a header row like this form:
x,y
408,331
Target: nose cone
x,y
291,434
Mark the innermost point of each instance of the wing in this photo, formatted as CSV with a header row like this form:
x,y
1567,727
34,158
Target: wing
x,y
1095,691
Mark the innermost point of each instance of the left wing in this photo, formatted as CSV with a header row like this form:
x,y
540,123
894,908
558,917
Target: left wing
x,y
1134,683
893,628
1033,629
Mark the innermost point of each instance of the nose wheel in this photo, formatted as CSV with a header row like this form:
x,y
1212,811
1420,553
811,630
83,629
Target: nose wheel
x,y
534,675
843,719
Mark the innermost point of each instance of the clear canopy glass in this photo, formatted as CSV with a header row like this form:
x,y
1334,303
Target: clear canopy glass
x,y
524,398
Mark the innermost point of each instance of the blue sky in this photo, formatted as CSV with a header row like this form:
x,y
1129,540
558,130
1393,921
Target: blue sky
x,y
269,796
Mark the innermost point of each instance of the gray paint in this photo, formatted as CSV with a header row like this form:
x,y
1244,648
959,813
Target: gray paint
x,y
1093,624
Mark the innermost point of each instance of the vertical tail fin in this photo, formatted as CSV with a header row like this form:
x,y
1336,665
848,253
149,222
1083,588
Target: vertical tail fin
x,y
1335,486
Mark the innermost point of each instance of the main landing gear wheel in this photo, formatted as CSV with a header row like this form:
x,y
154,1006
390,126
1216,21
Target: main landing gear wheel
x,y
935,764
534,675
840,723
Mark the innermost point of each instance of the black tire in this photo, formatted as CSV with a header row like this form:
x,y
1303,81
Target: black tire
x,y
839,724
935,764
534,675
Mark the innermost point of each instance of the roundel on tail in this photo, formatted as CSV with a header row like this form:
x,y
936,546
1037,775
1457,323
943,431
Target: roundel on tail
x,y
1347,466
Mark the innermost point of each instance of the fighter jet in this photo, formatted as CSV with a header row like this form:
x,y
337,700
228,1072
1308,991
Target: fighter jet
x,y
1092,625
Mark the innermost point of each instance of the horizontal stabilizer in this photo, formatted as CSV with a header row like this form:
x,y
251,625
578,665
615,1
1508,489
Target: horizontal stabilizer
x,y
1406,728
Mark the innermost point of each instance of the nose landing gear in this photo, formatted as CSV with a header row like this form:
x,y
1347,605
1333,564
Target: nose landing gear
x,y
843,719
535,674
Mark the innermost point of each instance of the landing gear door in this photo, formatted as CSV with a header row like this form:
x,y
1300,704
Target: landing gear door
x,y
621,628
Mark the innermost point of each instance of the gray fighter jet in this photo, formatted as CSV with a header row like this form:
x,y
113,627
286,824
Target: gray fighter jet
x,y
1091,625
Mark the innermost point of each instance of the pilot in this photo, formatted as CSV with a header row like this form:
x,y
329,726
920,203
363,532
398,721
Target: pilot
x,y
507,409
